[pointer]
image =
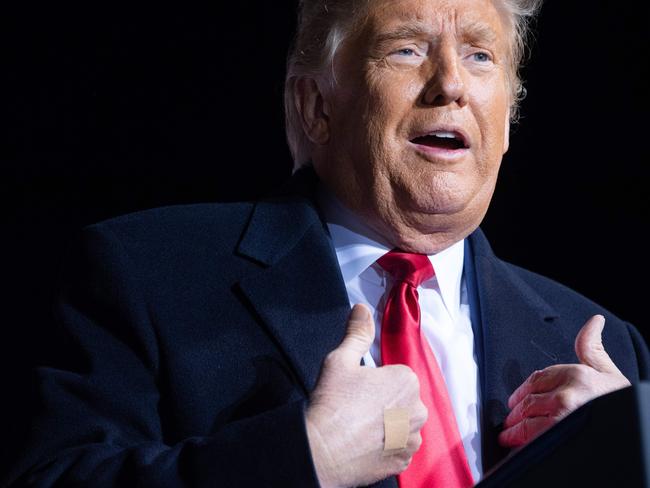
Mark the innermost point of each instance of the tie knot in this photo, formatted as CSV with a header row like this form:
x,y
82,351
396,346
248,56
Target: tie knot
x,y
408,267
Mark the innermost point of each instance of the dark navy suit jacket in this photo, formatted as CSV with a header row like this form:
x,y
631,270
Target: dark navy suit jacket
x,y
193,336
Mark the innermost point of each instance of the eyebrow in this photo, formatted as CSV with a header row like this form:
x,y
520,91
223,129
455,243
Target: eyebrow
x,y
471,31
478,32
406,31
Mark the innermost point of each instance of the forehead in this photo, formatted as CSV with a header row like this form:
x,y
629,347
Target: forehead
x,y
466,18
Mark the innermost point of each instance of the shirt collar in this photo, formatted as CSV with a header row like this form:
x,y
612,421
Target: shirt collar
x,y
358,247
448,265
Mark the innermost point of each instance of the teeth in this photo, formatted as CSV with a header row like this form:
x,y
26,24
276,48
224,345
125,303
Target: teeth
x,y
445,135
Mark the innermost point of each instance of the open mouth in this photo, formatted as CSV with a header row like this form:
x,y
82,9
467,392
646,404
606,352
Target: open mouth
x,y
449,140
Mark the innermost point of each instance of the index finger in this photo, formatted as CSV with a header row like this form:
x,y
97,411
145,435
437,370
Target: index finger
x,y
540,381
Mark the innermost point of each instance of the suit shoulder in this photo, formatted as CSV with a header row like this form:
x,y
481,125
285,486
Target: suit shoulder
x,y
179,222
200,213
546,292
167,249
624,343
558,295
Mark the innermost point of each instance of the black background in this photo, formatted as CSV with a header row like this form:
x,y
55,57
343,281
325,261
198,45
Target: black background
x,y
114,111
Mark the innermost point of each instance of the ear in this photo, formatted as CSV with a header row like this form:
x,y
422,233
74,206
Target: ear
x,y
313,110
506,133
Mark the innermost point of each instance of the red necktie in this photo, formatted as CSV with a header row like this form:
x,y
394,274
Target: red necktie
x,y
441,460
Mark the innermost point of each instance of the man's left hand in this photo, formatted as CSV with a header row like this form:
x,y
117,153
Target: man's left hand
x,y
549,395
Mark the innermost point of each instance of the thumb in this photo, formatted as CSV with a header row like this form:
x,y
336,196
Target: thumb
x,y
359,335
589,346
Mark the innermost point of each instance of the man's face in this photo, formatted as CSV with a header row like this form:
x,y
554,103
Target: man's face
x,y
418,119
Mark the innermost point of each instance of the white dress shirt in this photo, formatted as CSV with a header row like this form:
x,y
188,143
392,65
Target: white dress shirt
x,y
445,315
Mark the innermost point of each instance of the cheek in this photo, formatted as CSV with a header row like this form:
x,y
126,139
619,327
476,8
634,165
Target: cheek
x,y
491,111
392,97
391,94
411,90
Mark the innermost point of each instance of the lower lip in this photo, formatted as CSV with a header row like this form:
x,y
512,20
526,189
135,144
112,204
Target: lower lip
x,y
439,152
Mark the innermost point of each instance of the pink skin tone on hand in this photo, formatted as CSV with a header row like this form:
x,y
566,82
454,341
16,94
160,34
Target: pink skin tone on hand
x,y
549,395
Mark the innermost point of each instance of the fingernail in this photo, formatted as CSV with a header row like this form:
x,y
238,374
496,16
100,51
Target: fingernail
x,y
600,320
359,312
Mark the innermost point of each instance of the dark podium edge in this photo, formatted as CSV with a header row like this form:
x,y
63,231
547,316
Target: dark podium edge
x,y
619,420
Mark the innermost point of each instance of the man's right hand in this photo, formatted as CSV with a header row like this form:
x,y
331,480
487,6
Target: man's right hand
x,y
345,417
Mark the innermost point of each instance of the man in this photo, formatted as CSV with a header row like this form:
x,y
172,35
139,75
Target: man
x,y
214,344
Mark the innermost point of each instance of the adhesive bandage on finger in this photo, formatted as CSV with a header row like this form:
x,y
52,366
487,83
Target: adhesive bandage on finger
x,y
396,428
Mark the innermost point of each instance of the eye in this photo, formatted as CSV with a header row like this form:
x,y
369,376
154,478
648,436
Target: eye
x,y
481,57
408,56
407,51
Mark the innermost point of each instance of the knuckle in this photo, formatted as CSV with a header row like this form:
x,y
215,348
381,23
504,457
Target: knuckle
x,y
564,398
404,376
525,429
553,419
567,402
404,462
399,462
332,359
527,404
393,371
417,441
422,412
409,377
597,347
398,369
573,370
537,376
581,373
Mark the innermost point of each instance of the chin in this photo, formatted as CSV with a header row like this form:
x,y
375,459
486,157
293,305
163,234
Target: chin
x,y
435,224
449,194
440,201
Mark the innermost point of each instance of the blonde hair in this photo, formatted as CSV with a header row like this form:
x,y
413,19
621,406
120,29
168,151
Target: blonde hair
x,y
324,24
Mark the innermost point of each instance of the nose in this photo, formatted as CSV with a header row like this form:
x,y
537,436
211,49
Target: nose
x,y
446,85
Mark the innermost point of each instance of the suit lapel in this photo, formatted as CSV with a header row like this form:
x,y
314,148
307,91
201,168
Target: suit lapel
x,y
297,292
520,335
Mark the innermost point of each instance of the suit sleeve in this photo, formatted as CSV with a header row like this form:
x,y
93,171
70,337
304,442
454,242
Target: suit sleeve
x,y
642,353
97,419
